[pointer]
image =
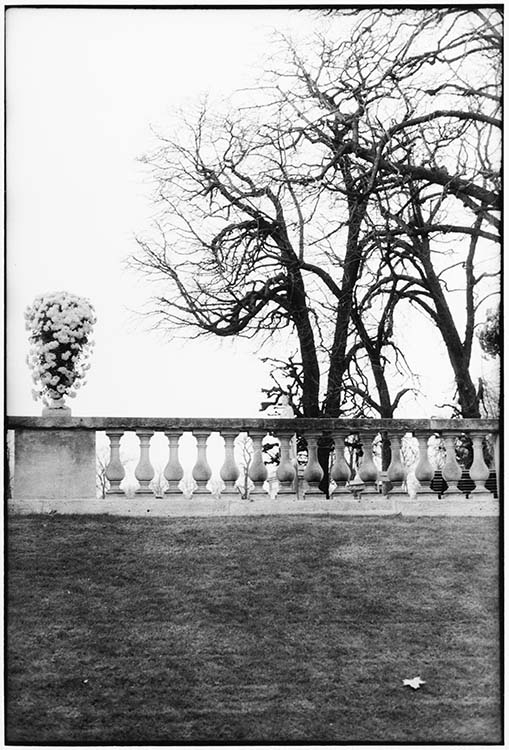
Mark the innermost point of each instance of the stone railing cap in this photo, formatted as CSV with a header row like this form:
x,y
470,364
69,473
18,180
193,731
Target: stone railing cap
x,y
244,424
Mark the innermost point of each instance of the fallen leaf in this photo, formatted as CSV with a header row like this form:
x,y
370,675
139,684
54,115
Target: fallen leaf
x,y
414,683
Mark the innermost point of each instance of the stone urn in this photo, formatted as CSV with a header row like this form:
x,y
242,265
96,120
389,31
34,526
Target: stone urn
x,y
56,408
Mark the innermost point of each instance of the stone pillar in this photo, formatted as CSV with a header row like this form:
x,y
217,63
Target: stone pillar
x,y
313,473
340,472
451,471
115,472
173,471
257,469
201,469
396,471
285,472
54,464
144,471
229,472
496,461
479,472
424,472
368,471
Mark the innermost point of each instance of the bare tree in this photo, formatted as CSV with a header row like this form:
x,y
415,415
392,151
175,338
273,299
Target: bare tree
x,y
320,210
434,151
244,446
101,480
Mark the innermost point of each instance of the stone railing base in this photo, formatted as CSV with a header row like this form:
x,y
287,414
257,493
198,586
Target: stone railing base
x,y
449,507
204,507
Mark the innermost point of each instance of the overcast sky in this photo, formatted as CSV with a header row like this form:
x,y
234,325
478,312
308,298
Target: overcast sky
x,y
83,89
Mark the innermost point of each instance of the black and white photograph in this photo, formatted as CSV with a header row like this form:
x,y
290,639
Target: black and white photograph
x,y
252,445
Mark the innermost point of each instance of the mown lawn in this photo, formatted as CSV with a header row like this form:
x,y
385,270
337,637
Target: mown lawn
x,y
278,629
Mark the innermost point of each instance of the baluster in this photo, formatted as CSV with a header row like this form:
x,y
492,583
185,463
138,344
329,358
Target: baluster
x,y
496,461
144,472
313,473
340,472
173,471
368,472
479,472
451,471
201,469
396,471
115,472
424,470
229,470
285,472
257,470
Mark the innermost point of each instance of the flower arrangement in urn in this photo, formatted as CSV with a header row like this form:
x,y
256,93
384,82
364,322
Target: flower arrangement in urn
x,y
60,326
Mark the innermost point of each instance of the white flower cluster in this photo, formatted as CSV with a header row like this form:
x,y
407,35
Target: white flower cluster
x,y
60,326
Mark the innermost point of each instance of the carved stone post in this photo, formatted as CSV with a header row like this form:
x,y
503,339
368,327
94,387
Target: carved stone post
x,y
340,472
229,471
313,473
368,471
479,472
201,470
496,461
396,471
424,472
285,472
257,469
451,471
173,471
144,472
54,464
115,472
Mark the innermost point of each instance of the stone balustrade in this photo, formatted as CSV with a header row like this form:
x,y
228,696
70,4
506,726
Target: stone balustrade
x,y
55,459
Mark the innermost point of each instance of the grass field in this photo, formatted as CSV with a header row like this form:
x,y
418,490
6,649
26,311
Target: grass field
x,y
275,629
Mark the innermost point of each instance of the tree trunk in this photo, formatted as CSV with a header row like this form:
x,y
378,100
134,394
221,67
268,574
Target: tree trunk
x,y
299,313
458,356
353,257
324,449
311,371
